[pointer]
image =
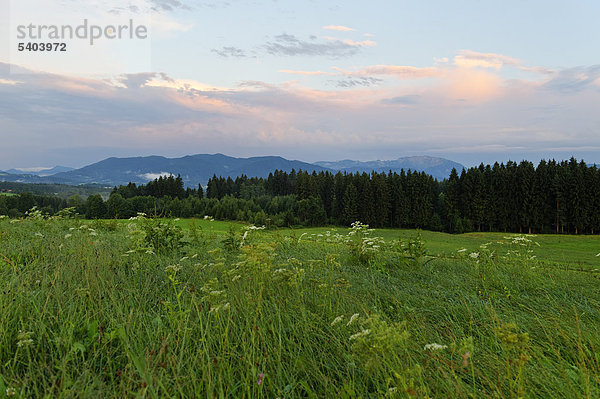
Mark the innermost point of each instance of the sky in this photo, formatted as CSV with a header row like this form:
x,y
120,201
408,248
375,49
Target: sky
x,y
471,81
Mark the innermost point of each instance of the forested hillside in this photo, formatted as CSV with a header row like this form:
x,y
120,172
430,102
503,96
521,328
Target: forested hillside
x,y
559,197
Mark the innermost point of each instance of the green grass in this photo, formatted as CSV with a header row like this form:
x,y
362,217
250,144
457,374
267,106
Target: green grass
x,y
567,250
92,309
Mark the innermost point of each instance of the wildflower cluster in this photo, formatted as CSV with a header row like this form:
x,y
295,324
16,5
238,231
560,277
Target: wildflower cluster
x,y
247,230
215,297
24,339
35,214
434,347
153,235
363,246
520,247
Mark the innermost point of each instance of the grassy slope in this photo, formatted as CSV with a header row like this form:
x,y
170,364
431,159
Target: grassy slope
x,y
105,322
566,250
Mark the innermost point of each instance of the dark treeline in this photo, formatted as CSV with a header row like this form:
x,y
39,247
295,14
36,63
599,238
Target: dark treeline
x,y
18,205
554,197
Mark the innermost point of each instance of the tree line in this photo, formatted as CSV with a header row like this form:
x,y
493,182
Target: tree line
x,y
552,197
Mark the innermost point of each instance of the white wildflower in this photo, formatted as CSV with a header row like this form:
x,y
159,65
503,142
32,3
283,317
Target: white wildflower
x,y
474,255
218,308
462,250
24,339
68,236
434,347
10,392
354,317
337,320
360,334
25,343
172,268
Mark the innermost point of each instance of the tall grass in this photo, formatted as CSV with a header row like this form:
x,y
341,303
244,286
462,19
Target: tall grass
x,y
99,309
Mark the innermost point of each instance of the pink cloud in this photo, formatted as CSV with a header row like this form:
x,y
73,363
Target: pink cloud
x,y
339,28
472,59
305,73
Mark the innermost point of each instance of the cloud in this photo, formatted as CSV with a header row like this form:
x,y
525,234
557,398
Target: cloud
x,y
399,71
573,80
473,59
155,113
538,69
154,176
409,99
9,82
145,6
305,73
168,5
365,81
137,80
230,51
474,85
290,45
339,28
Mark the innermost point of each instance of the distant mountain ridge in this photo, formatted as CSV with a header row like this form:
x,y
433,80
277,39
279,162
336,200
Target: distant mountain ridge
x,y
439,168
195,169
41,172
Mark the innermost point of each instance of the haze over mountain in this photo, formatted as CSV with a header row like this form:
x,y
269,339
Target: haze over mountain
x,y
439,168
199,168
40,171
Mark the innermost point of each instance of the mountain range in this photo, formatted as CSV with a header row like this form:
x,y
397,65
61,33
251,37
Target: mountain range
x,y
195,169
41,171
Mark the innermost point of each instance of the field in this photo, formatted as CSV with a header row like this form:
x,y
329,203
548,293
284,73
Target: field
x,y
198,308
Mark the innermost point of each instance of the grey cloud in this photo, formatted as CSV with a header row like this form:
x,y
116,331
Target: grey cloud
x,y
256,84
168,5
574,80
151,5
230,51
364,81
290,45
410,99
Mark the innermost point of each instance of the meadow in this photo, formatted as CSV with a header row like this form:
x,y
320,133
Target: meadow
x,y
200,308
